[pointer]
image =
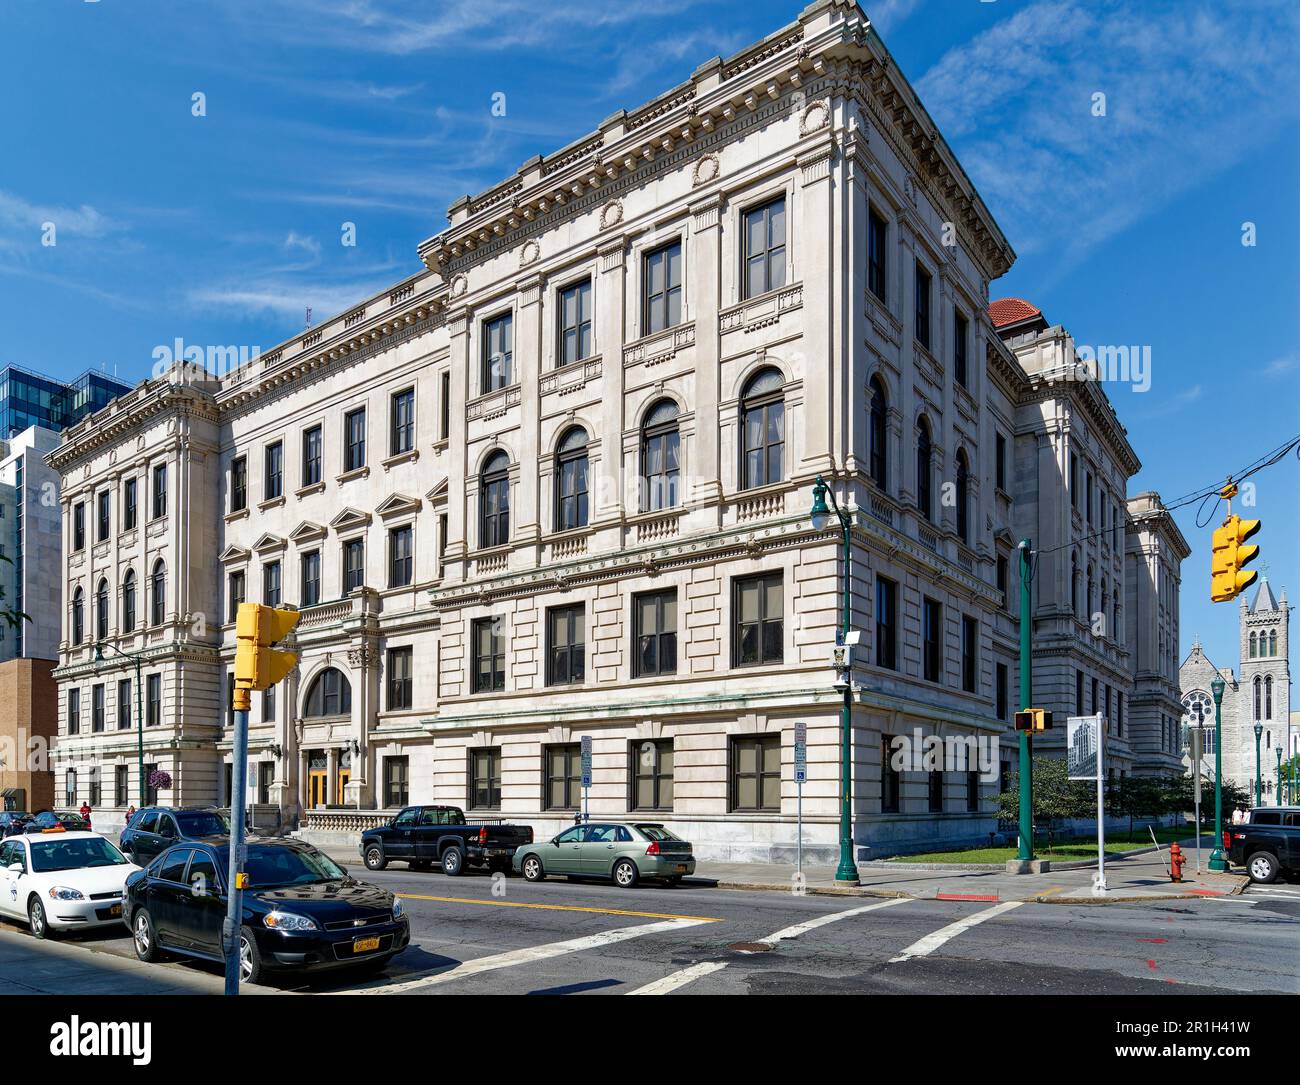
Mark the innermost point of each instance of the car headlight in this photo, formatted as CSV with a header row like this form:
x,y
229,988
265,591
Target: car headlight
x,y
62,892
289,921
397,908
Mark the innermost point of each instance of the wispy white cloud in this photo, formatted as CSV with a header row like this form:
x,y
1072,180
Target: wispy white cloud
x,y
1167,405
1190,89
1280,367
885,15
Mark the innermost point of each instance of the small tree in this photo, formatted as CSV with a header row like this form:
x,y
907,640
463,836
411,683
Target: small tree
x,y
1138,796
1056,796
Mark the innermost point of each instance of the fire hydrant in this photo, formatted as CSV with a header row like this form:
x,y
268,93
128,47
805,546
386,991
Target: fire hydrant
x,y
1175,863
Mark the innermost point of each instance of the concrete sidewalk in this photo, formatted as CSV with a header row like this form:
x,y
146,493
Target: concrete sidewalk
x,y
1139,877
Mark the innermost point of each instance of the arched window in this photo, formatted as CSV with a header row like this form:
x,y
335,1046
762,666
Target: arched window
x,y
128,602
571,481
963,493
78,616
330,694
762,422
1252,646
158,593
878,458
1258,688
1074,584
101,611
661,461
1268,697
494,501
1272,643
924,469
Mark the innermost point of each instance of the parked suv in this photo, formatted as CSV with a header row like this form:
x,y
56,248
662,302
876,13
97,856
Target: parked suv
x,y
424,836
156,828
1267,843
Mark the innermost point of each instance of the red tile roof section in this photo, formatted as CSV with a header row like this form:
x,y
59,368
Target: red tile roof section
x,y
1006,311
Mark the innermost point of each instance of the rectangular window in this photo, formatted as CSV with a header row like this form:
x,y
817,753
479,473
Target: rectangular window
x,y
79,526
354,429
756,773
235,594
121,786
1093,705
401,558
970,639
972,791
1074,480
1087,505
935,791
311,453
153,700
877,233
265,778
498,353
444,421
889,777
402,431
758,626
1119,716
268,705
101,516
651,772
396,774
575,323
354,564
97,707
1000,693
1078,693
765,248
1000,463
654,620
922,306
442,541
489,655
273,483
931,640
310,593
159,490
961,335
563,776
124,711
128,505
271,582
74,711
566,645
886,623
400,678
239,484
1004,580
92,779
485,779
661,302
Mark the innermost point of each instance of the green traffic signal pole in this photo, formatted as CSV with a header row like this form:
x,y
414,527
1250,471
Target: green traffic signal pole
x,y
1278,750
139,714
1259,782
1026,850
1217,861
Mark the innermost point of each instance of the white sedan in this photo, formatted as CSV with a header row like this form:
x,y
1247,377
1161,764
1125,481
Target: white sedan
x,y
60,881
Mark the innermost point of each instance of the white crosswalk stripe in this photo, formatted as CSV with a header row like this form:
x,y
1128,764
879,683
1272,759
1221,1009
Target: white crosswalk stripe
x,y
1292,891
677,980
927,945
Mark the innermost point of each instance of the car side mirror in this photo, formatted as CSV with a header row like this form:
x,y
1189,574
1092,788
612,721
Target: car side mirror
x,y
16,868
555,840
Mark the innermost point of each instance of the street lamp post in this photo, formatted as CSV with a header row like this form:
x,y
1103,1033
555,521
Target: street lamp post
x,y
139,715
1217,861
847,872
1259,784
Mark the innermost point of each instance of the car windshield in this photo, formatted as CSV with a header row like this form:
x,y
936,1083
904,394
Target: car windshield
x,y
657,832
275,867
202,823
50,855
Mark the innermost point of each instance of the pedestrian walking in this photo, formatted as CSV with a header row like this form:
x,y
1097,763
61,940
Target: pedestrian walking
x,y
1238,816
130,813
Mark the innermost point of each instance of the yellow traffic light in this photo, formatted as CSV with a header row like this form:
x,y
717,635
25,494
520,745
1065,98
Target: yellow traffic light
x,y
257,664
1034,719
1228,577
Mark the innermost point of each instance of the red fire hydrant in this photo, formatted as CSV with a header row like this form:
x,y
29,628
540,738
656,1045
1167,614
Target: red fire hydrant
x,y
1175,863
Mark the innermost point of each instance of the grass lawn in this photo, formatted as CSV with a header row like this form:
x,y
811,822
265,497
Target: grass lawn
x,y
1062,852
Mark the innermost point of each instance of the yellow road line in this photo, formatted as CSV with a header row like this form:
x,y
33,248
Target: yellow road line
x,y
1054,889
562,908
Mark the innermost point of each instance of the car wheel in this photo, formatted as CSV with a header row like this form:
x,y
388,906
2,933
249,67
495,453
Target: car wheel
x,y
1263,867
38,920
251,969
625,874
375,859
143,937
453,861
532,869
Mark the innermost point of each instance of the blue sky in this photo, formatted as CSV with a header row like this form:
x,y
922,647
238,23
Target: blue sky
x,y
221,229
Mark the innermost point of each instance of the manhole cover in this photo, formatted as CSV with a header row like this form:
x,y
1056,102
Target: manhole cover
x,y
750,947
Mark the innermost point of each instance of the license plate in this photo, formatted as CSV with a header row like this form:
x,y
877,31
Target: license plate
x,y
681,868
115,910
365,945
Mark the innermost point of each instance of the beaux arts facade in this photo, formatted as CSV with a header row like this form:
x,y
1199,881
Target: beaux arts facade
x,y
558,484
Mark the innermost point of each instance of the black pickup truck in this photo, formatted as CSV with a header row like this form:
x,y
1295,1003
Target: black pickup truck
x,y
424,836
1266,843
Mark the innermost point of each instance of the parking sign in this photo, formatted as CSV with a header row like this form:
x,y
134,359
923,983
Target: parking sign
x,y
586,760
800,752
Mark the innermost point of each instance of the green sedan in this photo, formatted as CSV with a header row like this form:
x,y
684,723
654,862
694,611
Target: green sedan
x,y
623,852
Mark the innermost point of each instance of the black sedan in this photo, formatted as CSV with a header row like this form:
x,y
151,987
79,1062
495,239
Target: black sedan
x,y
12,821
301,911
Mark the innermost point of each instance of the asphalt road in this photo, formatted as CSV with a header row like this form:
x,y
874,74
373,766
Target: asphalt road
x,y
471,935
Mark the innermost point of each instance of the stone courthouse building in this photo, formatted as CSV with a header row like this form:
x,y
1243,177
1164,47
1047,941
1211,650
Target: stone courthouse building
x,y
557,484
